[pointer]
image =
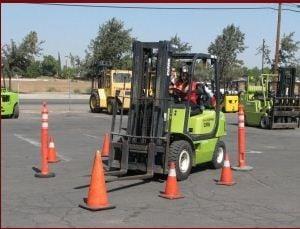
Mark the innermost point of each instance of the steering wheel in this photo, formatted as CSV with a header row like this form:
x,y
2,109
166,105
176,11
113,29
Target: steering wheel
x,y
177,93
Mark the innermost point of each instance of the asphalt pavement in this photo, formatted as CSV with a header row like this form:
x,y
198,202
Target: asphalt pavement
x,y
267,196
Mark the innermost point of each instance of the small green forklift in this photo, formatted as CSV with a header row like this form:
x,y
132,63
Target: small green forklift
x,y
273,104
9,99
161,126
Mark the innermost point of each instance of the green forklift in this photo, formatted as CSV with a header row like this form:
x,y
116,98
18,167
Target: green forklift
x,y
162,126
9,99
273,104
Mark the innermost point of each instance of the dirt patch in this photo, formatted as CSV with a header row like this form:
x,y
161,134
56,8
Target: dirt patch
x,y
51,85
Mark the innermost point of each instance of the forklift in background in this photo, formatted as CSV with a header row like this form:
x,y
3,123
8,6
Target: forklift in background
x,y
273,105
109,88
231,98
9,99
162,127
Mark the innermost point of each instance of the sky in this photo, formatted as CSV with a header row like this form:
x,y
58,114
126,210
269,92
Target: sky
x,y
70,29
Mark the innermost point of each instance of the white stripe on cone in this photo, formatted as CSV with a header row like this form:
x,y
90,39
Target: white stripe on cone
x,y
51,145
226,164
172,173
44,124
45,116
242,125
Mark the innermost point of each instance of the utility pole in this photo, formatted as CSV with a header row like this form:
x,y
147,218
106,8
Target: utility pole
x,y
277,40
263,57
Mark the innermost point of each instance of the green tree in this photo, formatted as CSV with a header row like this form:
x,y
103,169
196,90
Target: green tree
x,y
266,52
226,47
254,73
289,48
298,72
112,43
68,72
49,66
16,58
58,65
33,70
180,46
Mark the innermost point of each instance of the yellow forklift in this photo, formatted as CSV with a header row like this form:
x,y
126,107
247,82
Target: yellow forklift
x,y
231,98
110,87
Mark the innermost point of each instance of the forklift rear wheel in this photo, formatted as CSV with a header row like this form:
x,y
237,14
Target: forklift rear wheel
x,y
219,155
181,154
264,122
16,111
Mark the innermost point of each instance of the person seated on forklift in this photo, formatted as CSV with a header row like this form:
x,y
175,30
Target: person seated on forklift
x,y
197,98
173,77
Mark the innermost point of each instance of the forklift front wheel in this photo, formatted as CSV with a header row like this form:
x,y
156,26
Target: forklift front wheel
x,y
264,122
16,111
181,154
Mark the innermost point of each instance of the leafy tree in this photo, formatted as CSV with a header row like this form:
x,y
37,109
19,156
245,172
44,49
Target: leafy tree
x,y
180,46
288,50
33,70
226,47
16,58
266,51
254,73
49,66
58,65
112,43
75,63
68,72
298,71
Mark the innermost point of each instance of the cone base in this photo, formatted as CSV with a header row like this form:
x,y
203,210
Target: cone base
x,y
99,208
40,175
244,168
54,161
178,196
225,183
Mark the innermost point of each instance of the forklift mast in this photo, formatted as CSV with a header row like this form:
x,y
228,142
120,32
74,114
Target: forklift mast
x,y
286,82
149,94
102,66
286,105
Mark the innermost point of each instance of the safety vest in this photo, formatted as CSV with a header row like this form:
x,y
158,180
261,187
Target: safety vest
x,y
192,97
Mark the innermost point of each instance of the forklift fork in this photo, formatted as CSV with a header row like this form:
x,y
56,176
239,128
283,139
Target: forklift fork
x,y
121,174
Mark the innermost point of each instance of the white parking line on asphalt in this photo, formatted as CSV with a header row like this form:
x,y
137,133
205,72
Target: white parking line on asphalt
x,y
37,144
271,147
91,136
253,151
31,141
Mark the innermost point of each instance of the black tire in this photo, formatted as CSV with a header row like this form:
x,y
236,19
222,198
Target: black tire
x,y
179,149
16,111
264,122
110,106
219,155
95,103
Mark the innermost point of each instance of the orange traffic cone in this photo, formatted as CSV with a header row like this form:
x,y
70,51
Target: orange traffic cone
x,y
45,172
172,189
52,152
106,146
226,174
97,196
